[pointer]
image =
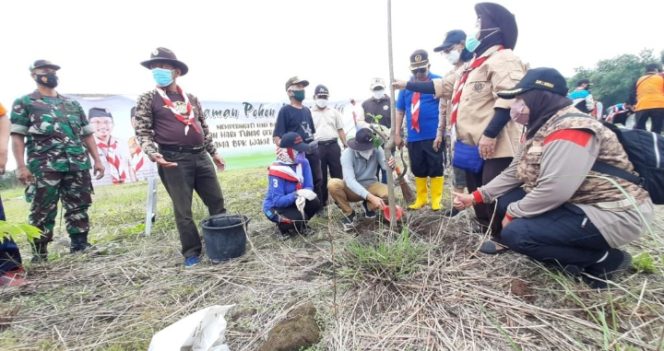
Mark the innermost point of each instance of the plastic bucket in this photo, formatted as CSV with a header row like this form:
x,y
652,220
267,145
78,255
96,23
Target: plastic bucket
x,y
225,236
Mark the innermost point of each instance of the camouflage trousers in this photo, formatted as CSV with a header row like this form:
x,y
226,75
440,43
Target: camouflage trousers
x,y
74,189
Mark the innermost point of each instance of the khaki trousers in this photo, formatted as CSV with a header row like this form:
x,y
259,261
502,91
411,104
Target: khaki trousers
x,y
343,196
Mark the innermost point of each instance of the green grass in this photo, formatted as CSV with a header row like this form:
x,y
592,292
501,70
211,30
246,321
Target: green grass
x,y
253,160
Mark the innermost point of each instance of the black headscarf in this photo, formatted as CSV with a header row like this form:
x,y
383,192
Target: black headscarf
x,y
542,105
495,16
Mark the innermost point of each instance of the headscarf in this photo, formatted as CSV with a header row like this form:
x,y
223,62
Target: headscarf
x,y
495,16
542,105
286,155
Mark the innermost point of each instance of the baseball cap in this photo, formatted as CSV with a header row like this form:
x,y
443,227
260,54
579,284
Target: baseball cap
x,y
542,78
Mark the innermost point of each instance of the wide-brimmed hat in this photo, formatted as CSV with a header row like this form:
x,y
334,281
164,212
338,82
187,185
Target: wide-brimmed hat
x,y
163,55
419,59
363,140
44,64
542,78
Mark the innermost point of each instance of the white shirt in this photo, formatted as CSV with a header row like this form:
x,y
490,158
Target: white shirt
x,y
327,123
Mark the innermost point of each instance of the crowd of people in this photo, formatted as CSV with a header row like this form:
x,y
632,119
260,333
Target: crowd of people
x,y
522,145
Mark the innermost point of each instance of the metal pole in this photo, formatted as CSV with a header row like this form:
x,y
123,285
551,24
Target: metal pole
x,y
389,147
151,205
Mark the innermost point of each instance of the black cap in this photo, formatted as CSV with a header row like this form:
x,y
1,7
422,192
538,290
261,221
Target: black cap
x,y
44,64
99,112
542,78
452,38
363,140
295,81
419,59
321,90
293,140
163,55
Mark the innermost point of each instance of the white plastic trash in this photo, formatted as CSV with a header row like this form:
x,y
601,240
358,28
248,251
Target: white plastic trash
x,y
200,331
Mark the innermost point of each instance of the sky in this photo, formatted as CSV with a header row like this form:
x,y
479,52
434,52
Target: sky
x,y
246,50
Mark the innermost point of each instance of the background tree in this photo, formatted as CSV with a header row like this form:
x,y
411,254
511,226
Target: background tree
x,y
613,79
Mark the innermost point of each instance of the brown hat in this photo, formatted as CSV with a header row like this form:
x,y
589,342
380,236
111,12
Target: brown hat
x,y
419,59
164,55
295,81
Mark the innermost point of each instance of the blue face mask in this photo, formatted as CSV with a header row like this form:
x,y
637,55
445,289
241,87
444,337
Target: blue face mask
x,y
163,77
472,43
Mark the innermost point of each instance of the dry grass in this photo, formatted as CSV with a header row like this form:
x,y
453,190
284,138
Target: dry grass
x,y
455,299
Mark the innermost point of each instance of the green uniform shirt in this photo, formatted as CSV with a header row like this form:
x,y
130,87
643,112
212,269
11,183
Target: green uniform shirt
x,y
54,127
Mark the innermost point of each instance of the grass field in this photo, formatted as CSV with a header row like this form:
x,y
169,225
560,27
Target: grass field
x,y
423,287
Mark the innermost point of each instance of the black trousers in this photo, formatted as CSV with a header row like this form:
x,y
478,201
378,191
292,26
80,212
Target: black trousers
x,y
311,207
330,163
657,116
563,236
424,161
492,168
195,171
314,163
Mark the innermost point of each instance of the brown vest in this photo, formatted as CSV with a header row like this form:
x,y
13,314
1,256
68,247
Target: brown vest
x,y
595,188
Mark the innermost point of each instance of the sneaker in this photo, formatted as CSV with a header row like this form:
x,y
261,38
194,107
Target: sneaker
x,y
306,231
367,212
348,222
617,261
191,261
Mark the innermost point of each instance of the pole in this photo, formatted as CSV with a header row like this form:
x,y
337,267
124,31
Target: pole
x,y
389,146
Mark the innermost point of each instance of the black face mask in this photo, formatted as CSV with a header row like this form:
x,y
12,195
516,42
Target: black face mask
x,y
48,80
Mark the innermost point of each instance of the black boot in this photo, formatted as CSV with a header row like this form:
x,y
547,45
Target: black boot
x,y
79,243
39,252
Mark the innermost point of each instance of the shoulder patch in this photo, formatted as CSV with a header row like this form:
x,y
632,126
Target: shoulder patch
x,y
577,136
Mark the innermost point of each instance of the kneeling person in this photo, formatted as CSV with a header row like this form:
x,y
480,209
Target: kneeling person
x,y
359,163
290,200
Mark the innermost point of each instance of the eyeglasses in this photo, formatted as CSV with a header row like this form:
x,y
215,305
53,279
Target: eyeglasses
x,y
419,70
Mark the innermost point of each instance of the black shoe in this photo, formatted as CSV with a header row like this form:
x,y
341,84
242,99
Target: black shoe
x,y
348,222
367,212
617,261
79,243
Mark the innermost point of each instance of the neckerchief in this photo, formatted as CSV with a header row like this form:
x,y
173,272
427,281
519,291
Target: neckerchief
x,y
185,117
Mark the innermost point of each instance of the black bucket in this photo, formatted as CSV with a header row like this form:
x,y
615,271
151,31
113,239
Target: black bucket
x,y
225,236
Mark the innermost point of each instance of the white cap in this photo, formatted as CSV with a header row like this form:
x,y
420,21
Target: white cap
x,y
376,83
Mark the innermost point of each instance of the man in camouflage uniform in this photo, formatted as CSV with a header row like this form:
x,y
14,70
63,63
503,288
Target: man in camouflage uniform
x,y
56,132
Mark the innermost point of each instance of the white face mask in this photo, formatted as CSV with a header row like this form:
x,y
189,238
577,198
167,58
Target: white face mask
x,y
366,154
378,94
453,57
321,103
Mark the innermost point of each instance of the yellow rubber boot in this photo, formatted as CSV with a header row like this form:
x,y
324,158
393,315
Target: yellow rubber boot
x,y
437,185
421,194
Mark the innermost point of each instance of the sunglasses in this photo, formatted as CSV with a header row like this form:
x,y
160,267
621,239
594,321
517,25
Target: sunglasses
x,y
419,70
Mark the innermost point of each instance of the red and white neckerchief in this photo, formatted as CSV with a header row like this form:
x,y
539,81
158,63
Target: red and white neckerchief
x,y
415,112
458,89
118,168
137,159
184,114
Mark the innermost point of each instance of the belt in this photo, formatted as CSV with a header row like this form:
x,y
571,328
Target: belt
x,y
328,142
614,205
183,148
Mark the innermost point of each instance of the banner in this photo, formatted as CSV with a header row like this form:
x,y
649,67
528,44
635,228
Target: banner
x,y
241,131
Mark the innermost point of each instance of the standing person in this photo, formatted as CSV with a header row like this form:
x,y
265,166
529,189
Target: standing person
x,y
113,154
11,265
454,50
290,201
360,161
297,118
647,96
58,137
421,115
171,130
581,96
141,167
481,118
378,108
555,208
329,126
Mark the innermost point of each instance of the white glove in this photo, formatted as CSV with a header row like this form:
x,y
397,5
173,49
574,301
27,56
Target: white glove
x,y
299,203
306,194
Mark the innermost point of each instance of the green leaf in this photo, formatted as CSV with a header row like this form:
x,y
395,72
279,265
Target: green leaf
x,y
14,230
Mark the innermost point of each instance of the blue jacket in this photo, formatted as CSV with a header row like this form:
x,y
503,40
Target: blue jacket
x,y
281,191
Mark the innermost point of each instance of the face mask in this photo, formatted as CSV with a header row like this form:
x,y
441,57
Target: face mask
x,y
366,154
48,80
518,112
472,43
298,95
321,103
378,94
453,57
163,77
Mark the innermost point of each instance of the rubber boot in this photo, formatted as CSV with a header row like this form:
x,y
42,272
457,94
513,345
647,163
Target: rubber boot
x,y
39,252
421,193
437,185
79,243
